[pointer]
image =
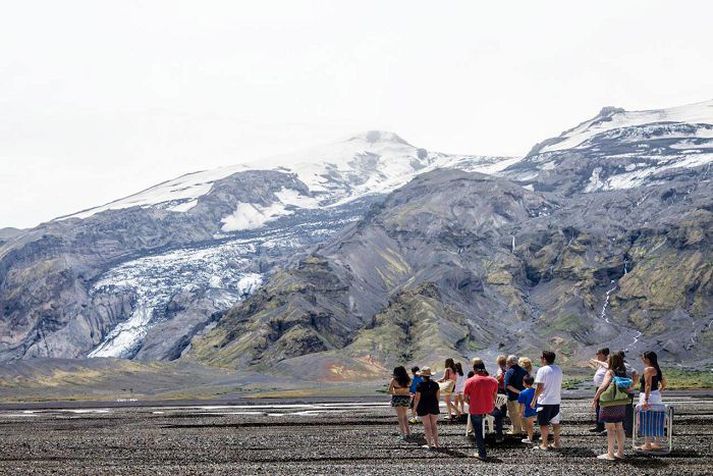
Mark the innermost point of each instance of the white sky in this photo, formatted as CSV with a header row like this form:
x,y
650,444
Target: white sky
x,y
101,99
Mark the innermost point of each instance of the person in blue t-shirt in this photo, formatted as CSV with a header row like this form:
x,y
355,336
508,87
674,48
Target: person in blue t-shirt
x,y
527,413
414,383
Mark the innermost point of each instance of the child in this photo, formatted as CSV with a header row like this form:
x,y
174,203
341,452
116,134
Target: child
x,y
527,413
412,390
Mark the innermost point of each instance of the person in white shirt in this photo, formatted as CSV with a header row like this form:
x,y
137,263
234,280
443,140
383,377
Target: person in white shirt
x,y
599,363
548,395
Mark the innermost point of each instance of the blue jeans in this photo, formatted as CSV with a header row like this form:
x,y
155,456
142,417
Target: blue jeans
x,y
477,421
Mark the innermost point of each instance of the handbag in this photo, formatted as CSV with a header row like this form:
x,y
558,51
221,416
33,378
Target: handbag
x,y
447,386
613,396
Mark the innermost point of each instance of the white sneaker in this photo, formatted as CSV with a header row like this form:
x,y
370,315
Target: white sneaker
x,y
527,440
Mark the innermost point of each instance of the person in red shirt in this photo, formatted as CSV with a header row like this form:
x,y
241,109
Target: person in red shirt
x,y
480,391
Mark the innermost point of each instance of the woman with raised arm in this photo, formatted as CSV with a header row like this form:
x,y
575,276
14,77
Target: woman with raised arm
x,y
401,398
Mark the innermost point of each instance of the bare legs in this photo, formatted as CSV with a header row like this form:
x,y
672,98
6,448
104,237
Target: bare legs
x,y
529,427
615,440
460,405
402,416
620,437
430,430
449,405
556,431
545,431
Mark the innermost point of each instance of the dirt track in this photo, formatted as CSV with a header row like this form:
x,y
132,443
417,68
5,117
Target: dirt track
x,y
334,439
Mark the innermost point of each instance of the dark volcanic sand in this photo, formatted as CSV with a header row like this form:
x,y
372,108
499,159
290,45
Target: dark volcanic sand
x,y
339,440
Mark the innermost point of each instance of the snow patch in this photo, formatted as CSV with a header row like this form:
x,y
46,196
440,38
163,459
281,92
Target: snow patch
x,y
295,198
251,216
186,187
595,182
184,207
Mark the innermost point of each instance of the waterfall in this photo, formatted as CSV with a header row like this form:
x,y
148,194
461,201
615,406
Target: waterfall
x,y
603,313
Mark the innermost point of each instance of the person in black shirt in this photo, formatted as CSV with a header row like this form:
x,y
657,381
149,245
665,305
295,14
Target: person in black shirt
x,y
426,403
513,387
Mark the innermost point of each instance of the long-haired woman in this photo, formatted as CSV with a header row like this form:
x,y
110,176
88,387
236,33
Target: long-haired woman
x,y
652,382
401,399
612,416
460,386
448,384
426,403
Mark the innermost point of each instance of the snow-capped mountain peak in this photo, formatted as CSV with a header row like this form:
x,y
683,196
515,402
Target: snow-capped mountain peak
x,y
376,136
610,118
372,162
620,149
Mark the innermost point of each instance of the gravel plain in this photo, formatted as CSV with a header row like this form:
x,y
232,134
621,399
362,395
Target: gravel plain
x,y
335,438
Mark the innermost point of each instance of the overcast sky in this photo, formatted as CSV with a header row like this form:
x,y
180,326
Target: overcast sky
x,y
101,99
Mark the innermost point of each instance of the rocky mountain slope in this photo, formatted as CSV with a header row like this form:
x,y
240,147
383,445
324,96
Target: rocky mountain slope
x,y
141,276
601,235
458,264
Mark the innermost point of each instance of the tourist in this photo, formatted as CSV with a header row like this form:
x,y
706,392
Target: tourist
x,y
480,392
460,385
612,410
599,363
412,390
401,398
548,395
501,362
651,384
513,387
426,403
634,376
500,373
527,413
526,364
448,384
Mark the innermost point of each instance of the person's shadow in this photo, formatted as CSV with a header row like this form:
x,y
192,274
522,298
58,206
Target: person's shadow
x,y
420,441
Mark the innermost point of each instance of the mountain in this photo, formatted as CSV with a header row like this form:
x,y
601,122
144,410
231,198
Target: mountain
x,y
618,149
140,277
338,262
600,236
457,264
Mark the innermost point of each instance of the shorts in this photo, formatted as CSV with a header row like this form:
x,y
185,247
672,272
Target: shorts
x,y
548,414
654,398
401,401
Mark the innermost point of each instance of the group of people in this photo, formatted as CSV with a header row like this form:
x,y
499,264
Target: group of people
x,y
528,400
613,401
